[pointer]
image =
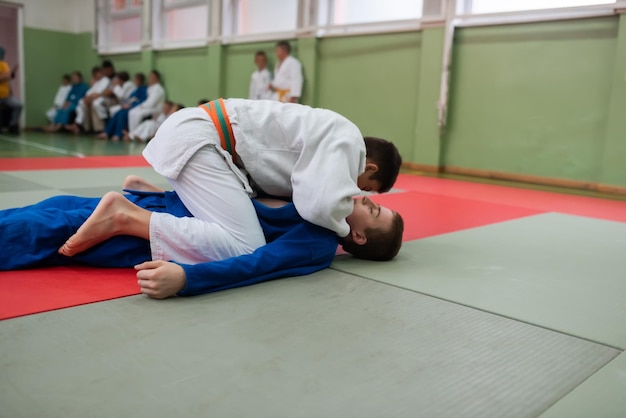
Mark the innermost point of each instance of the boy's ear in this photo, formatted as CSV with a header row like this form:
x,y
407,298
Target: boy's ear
x,y
357,237
370,166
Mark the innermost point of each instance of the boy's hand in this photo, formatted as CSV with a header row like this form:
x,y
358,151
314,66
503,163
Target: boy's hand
x,y
160,279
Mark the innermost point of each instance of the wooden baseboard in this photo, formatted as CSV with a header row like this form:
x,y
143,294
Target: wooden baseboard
x,y
544,181
422,167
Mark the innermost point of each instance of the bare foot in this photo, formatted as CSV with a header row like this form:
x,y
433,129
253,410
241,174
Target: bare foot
x,y
126,137
100,226
133,182
73,128
102,135
115,138
52,128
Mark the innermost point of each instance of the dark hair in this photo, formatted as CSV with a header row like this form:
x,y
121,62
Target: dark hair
x,y
180,105
95,70
78,74
386,156
141,77
123,75
260,54
381,245
67,77
156,73
107,64
203,101
284,45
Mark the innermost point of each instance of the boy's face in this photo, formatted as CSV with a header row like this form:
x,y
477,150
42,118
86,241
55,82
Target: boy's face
x,y
260,61
281,53
367,184
368,215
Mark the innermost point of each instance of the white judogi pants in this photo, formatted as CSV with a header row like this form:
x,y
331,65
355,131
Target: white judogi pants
x,y
136,115
225,223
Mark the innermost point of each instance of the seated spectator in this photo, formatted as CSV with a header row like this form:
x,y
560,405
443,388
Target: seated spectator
x,y
105,106
152,104
119,122
146,129
84,116
60,98
6,98
65,114
261,78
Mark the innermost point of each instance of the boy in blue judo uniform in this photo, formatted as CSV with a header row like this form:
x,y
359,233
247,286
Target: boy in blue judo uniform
x,y
31,237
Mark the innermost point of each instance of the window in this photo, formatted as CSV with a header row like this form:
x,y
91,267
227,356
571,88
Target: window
x,y
180,22
243,18
346,12
119,25
499,6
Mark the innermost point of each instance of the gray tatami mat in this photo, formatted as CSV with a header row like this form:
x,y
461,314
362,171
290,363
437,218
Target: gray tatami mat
x,y
329,345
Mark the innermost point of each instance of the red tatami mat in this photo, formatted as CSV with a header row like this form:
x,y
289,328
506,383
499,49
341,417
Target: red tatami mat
x,y
63,163
426,215
26,292
611,210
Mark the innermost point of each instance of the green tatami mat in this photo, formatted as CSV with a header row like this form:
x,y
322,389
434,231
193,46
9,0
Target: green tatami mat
x,y
600,396
61,179
328,345
562,272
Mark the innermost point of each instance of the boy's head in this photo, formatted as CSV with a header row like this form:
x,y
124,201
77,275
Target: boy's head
x,y
108,69
140,79
66,79
154,77
375,231
77,77
282,50
203,101
382,166
123,76
260,60
96,73
167,107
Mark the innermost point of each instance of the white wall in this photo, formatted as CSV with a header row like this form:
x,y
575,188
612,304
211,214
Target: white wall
x,y
73,16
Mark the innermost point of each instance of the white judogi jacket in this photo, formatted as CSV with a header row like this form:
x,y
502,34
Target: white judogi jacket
x,y
99,86
61,96
288,76
260,85
124,91
313,155
154,100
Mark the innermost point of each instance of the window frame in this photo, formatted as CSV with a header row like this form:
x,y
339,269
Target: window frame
x,y
157,41
102,32
465,18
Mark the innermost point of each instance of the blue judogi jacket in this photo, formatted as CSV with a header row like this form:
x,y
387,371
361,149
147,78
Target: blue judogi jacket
x,y
30,237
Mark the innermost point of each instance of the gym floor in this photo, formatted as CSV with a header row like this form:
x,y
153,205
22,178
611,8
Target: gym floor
x,y
503,302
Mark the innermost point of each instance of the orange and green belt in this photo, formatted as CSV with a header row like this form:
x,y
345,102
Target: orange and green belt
x,y
217,112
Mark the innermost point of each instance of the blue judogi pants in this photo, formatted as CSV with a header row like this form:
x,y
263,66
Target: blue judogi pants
x,y
31,236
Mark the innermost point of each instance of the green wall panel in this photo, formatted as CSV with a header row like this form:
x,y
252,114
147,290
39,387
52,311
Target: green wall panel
x,y
184,74
373,81
531,99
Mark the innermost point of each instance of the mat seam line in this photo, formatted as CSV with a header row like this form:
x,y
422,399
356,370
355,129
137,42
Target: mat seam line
x,y
621,350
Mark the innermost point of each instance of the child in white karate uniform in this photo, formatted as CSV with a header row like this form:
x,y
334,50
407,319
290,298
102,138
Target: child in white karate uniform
x,y
260,79
60,97
146,130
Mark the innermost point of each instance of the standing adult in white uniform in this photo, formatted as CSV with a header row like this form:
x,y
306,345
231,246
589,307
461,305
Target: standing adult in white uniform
x,y
60,98
316,156
152,104
287,83
261,78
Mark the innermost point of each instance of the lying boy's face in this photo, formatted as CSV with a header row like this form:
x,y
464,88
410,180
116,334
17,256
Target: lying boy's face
x,y
368,215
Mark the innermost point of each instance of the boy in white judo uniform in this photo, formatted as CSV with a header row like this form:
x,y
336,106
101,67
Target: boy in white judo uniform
x,y
288,80
316,157
152,104
84,118
146,129
60,97
260,79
